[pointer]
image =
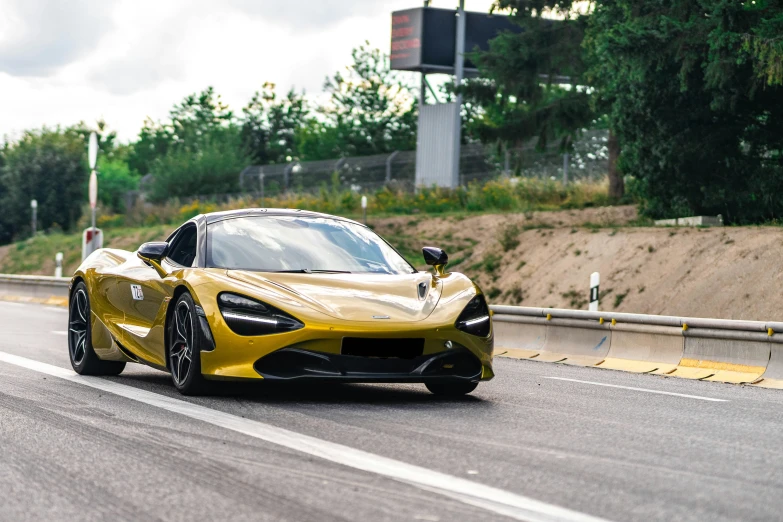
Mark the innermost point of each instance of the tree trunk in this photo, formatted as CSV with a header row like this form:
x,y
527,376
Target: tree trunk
x,y
616,183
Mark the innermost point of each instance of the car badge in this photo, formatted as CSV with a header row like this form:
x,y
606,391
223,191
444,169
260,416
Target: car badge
x,y
381,317
422,291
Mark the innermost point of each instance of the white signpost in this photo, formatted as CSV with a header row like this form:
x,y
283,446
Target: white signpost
x,y
595,279
92,239
364,209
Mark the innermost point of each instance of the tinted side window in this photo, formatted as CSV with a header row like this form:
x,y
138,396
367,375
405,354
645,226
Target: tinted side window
x,y
183,250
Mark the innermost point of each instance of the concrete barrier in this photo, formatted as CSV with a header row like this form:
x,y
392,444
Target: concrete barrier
x,y
519,342
724,355
642,348
747,352
529,336
569,341
773,375
38,289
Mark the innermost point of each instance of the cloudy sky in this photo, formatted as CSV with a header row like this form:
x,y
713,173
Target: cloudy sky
x,y
62,61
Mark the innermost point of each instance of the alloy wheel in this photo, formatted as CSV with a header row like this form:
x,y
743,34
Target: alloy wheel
x,y
77,327
181,353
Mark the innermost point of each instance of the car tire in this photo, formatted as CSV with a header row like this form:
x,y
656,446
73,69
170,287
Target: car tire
x,y
83,358
451,389
184,353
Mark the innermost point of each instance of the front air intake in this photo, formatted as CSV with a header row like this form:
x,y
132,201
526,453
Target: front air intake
x,y
383,348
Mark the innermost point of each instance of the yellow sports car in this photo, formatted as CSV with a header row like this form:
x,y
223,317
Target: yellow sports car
x,y
279,295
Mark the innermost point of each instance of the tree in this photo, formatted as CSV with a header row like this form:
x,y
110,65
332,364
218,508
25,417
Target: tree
x,y
765,43
212,168
50,166
521,93
700,134
115,180
191,123
270,125
370,109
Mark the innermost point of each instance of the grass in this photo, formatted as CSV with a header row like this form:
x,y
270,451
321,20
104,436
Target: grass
x,y
576,299
503,195
619,298
509,237
515,295
36,254
494,292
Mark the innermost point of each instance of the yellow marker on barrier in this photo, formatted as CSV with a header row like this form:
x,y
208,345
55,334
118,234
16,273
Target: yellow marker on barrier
x,y
614,322
601,320
684,327
770,332
548,317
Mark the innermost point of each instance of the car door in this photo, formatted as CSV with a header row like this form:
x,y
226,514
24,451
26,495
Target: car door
x,y
148,295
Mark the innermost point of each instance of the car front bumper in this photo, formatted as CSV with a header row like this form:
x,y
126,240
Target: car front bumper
x,y
315,353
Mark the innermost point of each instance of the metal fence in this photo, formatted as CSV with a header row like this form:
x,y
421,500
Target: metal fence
x,y
588,160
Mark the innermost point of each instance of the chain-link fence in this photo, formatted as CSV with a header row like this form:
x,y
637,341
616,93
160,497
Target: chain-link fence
x,y
588,160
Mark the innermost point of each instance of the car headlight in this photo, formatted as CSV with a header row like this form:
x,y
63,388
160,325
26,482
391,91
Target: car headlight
x,y
247,316
474,319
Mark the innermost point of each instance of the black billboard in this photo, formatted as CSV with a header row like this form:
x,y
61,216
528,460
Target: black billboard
x,y
424,39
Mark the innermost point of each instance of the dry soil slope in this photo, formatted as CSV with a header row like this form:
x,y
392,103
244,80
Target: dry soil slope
x,y
719,272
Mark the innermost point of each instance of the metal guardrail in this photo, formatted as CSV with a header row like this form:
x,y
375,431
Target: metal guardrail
x,y
33,286
691,347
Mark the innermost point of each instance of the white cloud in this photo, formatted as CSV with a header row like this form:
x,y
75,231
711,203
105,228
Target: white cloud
x,y
38,36
146,55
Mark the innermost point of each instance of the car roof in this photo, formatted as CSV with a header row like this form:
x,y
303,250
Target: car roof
x,y
213,217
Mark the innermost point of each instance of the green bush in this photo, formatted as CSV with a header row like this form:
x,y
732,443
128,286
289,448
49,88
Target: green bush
x,y
211,167
115,180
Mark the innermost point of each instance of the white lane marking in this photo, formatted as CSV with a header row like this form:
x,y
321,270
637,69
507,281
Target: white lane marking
x,y
466,491
638,389
60,332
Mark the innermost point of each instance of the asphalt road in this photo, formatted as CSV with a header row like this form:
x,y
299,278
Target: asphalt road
x,y
643,448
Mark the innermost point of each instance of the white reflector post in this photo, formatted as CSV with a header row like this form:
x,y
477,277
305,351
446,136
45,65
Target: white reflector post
x,y
595,279
58,260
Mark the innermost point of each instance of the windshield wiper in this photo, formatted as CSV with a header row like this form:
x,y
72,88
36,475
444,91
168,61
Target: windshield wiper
x,y
311,271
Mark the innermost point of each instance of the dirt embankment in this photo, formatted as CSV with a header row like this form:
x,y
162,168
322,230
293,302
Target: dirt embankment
x,y
546,260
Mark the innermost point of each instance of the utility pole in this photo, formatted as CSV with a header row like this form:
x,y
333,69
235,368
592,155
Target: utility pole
x,y
459,73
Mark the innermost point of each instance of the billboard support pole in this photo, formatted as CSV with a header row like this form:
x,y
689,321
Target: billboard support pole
x,y
459,73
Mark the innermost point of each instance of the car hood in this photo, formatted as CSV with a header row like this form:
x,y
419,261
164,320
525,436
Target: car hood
x,y
354,297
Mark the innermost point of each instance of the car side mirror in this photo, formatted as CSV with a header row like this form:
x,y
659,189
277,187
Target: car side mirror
x,y
436,258
153,253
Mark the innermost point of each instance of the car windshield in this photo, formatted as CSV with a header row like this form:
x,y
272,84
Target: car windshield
x,y
300,244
